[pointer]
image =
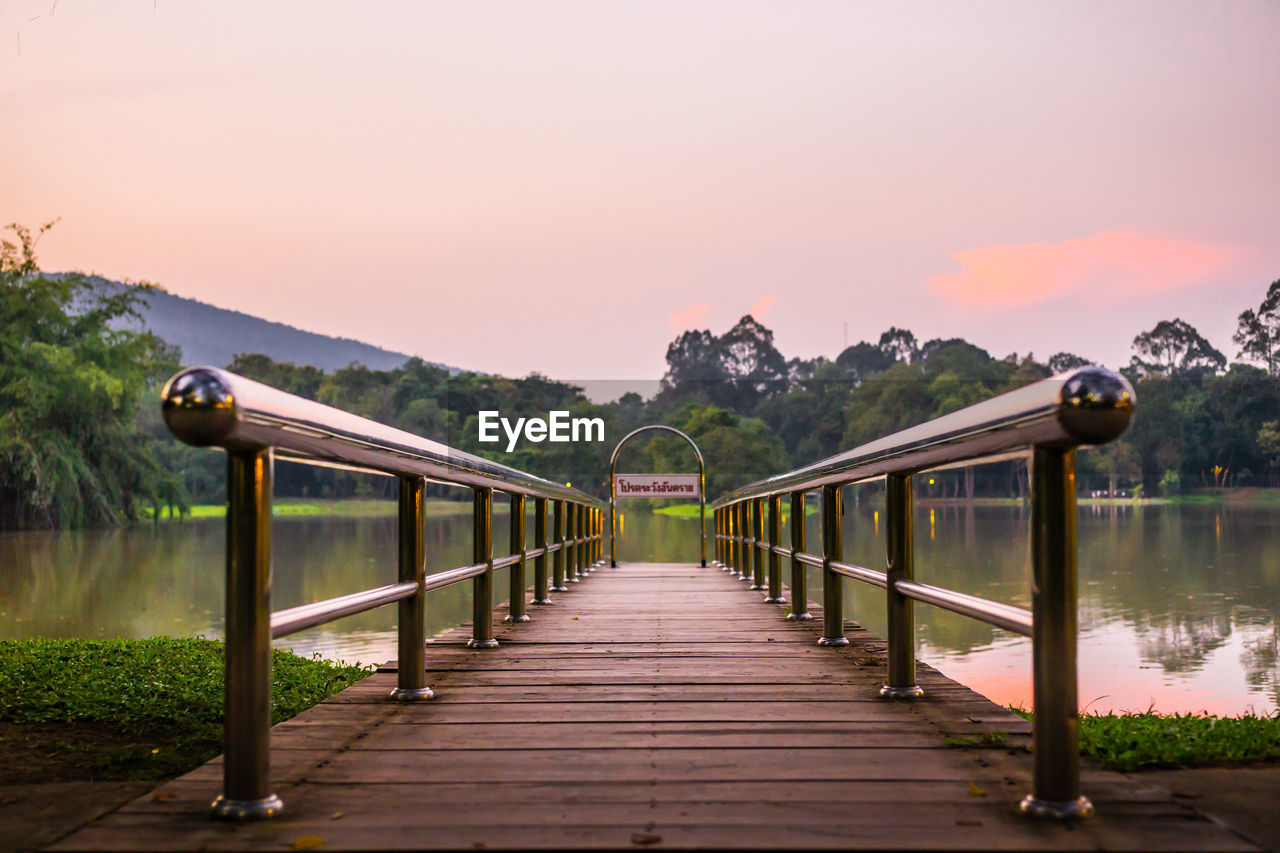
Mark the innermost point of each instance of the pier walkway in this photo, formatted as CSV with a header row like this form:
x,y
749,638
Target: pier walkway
x,y
654,706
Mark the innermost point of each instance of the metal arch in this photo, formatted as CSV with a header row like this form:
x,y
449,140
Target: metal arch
x,y
702,492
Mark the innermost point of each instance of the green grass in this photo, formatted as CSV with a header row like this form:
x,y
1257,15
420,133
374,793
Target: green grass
x,y
1135,741
160,700
681,511
691,511
292,508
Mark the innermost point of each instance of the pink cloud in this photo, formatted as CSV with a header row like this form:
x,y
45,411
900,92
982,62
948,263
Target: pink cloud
x,y
762,305
1111,264
689,317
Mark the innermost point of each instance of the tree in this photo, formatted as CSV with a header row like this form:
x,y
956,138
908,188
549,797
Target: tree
x,y
1259,332
864,360
733,371
1175,348
1061,362
71,383
899,345
751,359
304,380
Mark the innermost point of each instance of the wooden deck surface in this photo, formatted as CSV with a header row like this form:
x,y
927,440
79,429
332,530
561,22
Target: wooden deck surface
x,y
654,706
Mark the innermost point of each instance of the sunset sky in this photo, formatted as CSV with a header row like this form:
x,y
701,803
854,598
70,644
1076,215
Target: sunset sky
x,y
565,186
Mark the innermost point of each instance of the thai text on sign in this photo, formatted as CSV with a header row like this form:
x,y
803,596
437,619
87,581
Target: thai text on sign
x,y
656,485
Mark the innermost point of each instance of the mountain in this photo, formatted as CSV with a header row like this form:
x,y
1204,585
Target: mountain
x,y
211,335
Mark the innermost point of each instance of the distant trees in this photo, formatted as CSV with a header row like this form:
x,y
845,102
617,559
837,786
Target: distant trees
x,y
81,441
1174,347
1061,362
72,451
1258,334
734,370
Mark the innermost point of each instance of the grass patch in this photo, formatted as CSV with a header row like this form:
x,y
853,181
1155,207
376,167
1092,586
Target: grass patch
x,y
136,709
680,511
1146,741
344,509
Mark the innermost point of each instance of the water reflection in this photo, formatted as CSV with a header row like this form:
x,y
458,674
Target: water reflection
x,y
1179,605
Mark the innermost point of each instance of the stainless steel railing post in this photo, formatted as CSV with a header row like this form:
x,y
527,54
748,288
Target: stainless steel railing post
x,y
540,591
557,524
246,778
832,549
570,542
758,552
583,532
515,587
411,664
734,533
775,562
799,573
726,546
720,543
599,535
901,633
725,559
741,559
482,586
1055,728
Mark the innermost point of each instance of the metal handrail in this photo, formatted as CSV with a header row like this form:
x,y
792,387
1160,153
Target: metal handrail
x,y
613,487
1046,421
1088,406
256,423
206,406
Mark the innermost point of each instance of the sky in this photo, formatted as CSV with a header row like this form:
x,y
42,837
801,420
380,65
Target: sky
x,y
564,187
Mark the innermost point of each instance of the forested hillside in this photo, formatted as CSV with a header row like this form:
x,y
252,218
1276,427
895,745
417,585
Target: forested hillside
x,y
207,334
81,440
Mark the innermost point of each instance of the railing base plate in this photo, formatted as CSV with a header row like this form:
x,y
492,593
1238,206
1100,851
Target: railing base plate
x,y
834,642
913,691
523,617
1058,809
411,694
260,809
482,644
771,600
800,617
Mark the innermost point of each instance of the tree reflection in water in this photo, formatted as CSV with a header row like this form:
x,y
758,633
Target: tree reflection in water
x,y
1178,604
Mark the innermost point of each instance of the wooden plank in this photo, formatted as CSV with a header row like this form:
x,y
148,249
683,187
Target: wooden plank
x,y
635,765
193,795
654,705
714,712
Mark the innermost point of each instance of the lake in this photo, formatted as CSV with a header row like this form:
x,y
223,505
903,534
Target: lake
x,y
1179,604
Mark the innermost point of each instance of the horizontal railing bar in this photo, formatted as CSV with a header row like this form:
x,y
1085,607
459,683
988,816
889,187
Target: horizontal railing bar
x,y
1005,616
206,406
870,576
509,560
808,559
295,619
442,579
1090,405
783,552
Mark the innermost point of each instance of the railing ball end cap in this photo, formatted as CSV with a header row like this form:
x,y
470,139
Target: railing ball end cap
x,y
1097,405
198,407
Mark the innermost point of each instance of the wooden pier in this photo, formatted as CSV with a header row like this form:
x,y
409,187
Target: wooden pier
x,y
654,706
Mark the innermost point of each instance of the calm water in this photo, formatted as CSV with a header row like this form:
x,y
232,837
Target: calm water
x,y
1179,606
